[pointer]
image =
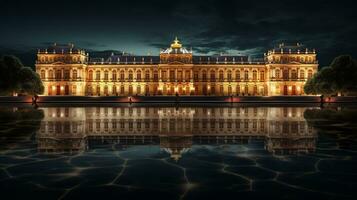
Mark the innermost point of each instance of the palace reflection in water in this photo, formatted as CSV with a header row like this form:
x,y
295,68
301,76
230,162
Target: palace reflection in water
x,y
75,129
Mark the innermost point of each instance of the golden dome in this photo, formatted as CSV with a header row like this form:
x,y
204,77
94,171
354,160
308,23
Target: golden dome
x,y
176,44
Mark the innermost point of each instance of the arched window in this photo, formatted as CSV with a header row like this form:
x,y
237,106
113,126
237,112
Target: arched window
x,y
286,74
74,75
58,74
238,75
66,74
187,75
50,74
147,75
43,74
114,75
277,73
302,74
221,75
106,90
293,74
114,90
90,75
262,76
229,75
156,76
309,74
255,75
122,89
246,75
213,76
238,89
122,75
106,75
97,75
195,75
138,75
204,76
130,75
255,90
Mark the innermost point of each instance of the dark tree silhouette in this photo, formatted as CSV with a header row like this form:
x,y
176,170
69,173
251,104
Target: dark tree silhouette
x,y
339,77
16,78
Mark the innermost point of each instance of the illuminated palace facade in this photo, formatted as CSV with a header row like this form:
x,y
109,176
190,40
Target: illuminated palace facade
x,y
66,70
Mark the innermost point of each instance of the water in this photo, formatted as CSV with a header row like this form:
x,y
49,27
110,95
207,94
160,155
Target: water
x,y
187,152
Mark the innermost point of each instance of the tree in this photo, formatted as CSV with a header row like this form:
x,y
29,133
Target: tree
x,y
16,78
339,77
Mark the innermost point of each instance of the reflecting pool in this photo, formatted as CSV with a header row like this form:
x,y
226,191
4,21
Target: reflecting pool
x,y
185,152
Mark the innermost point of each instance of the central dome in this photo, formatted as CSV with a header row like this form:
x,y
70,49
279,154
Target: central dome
x,y
176,48
176,44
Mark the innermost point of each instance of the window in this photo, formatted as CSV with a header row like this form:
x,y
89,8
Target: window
x,y
195,75
163,75
204,76
309,74
58,74
97,75
293,74
138,75
43,74
221,75
302,74
277,73
187,75
90,75
254,75
122,75
114,75
179,76
50,74
106,90
172,75
156,76
74,76
122,89
238,75
106,75
74,90
229,75
114,90
213,76
147,75
246,75
262,76
66,74
130,75
286,74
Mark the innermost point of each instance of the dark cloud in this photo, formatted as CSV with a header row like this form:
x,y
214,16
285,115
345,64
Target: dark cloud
x,y
208,26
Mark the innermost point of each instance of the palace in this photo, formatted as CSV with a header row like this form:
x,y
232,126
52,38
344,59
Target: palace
x,y
66,70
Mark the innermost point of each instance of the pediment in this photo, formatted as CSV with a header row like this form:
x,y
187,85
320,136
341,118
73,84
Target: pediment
x,y
176,63
58,63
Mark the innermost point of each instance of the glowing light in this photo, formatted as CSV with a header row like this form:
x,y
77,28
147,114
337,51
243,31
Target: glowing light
x,y
62,88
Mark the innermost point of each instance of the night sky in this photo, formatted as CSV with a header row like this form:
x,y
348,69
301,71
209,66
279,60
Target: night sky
x,y
208,26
